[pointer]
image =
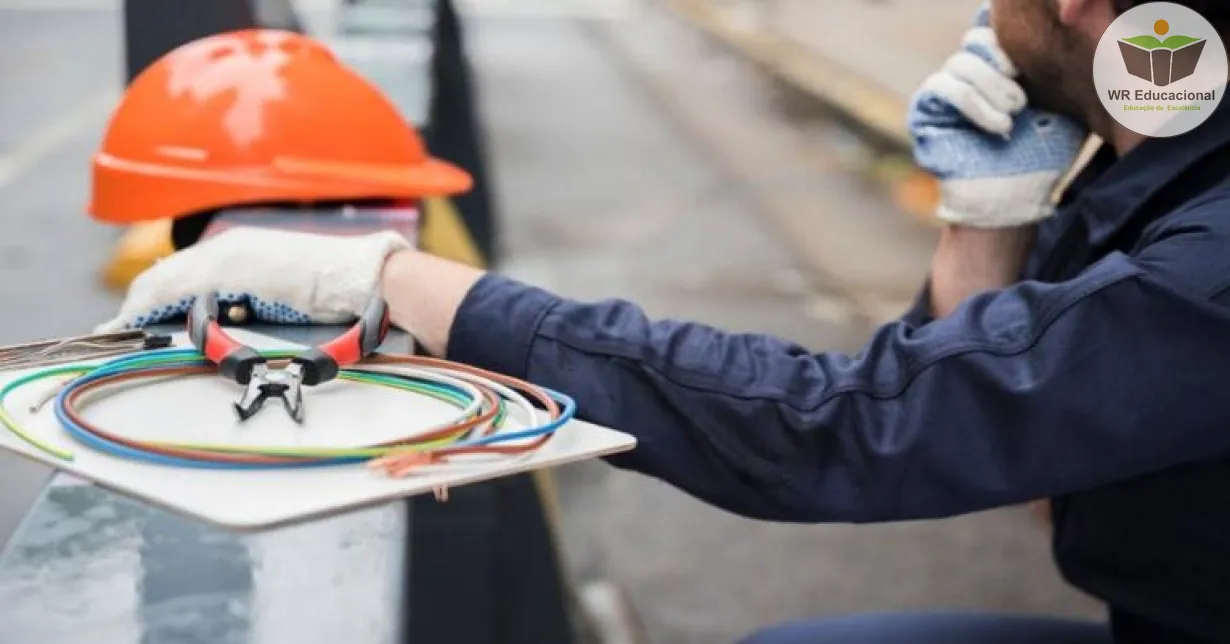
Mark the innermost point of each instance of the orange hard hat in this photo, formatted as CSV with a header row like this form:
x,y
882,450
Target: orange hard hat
x,y
251,117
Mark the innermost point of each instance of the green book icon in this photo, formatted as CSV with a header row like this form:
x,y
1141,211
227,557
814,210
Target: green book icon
x,y
1161,62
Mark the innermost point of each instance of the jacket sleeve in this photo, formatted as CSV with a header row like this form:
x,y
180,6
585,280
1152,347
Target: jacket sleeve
x,y
1030,392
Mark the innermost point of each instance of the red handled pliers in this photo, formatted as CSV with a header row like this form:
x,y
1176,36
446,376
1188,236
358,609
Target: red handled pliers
x,y
247,367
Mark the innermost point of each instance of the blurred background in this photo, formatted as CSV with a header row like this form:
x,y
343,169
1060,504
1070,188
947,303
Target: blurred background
x,y
736,162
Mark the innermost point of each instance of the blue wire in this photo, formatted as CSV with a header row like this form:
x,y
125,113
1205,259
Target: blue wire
x,y
118,365
121,365
566,414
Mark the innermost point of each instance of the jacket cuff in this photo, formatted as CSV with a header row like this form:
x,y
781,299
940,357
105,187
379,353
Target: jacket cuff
x,y
497,324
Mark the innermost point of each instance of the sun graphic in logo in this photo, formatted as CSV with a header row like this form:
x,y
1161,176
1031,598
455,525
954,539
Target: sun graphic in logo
x,y
1159,59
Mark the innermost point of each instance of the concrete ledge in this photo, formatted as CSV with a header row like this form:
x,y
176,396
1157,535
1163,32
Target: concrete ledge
x,y
877,113
876,108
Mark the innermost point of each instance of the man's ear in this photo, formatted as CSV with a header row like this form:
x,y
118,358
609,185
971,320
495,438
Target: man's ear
x,y
1069,11
1089,15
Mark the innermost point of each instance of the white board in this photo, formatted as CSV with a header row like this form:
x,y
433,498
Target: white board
x,y
336,414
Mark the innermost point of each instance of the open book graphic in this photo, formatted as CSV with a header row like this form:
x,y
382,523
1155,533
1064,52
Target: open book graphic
x,y
1162,62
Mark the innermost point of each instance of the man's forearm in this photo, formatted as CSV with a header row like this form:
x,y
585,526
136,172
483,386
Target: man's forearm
x,y
424,293
969,261
966,262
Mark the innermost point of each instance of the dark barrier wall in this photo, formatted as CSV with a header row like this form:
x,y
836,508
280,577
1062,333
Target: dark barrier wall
x,y
154,27
455,132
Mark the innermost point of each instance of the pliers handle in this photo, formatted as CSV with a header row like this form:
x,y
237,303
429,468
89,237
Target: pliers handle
x,y
320,364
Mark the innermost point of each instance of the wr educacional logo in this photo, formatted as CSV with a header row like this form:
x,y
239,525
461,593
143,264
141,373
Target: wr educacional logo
x,y
1160,69
1161,62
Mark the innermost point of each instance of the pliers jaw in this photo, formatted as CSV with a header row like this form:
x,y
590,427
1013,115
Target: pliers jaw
x,y
314,366
286,384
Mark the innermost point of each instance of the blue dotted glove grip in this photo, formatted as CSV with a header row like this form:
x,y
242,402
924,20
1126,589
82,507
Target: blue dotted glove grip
x,y
264,311
949,146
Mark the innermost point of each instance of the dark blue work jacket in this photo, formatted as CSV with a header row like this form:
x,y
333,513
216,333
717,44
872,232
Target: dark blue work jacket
x,y
1101,379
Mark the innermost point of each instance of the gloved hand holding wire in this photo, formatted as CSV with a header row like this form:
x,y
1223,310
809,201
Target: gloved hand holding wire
x,y
998,160
283,277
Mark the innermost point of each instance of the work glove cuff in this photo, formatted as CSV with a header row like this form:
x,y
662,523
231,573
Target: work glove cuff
x,y
998,202
344,288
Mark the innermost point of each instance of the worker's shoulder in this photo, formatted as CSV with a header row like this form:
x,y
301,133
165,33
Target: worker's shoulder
x,y
1188,247
1208,206
1204,218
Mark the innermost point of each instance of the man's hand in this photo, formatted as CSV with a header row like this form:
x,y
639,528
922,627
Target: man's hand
x,y
998,160
302,278
284,277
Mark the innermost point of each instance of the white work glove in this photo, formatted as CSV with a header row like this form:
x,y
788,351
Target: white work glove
x,y
283,276
998,160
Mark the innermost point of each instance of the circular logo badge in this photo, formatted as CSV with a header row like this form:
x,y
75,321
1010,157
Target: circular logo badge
x,y
1160,69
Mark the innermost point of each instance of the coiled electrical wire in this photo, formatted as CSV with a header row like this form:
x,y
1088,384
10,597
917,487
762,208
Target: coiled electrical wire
x,y
480,396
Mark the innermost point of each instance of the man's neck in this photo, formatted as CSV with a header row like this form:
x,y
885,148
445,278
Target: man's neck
x,y
1124,140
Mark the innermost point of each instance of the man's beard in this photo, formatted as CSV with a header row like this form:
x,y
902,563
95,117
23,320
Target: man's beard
x,y
1055,66
1057,92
